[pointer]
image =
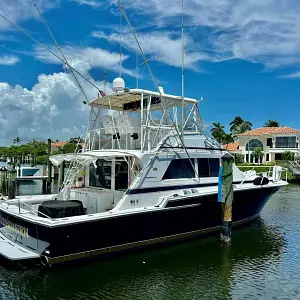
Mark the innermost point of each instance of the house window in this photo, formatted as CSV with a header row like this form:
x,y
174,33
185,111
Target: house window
x,y
286,142
269,142
254,143
208,167
267,157
179,168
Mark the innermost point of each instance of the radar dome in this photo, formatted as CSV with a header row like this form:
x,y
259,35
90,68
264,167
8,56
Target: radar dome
x,y
118,85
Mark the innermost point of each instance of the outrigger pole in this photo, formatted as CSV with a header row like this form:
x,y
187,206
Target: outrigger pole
x,y
179,135
61,52
182,70
47,49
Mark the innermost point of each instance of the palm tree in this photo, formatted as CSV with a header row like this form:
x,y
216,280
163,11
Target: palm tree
x,y
245,126
227,139
258,154
218,132
272,123
17,140
239,125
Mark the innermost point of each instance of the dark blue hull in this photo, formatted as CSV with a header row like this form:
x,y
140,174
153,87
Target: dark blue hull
x,y
96,237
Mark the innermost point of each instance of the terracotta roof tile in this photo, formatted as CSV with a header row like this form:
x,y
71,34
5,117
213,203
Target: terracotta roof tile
x,y
269,130
58,144
232,146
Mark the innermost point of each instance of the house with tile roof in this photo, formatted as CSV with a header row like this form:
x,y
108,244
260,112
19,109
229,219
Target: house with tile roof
x,y
56,146
274,141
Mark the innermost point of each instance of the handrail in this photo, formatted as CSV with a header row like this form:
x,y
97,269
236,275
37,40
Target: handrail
x,y
31,207
261,173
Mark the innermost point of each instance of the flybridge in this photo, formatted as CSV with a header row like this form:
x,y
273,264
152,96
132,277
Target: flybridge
x,y
140,119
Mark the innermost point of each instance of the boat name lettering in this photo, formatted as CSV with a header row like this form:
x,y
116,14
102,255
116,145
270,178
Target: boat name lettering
x,y
14,227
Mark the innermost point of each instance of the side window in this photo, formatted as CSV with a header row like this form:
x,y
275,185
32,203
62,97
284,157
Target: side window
x,y
179,168
203,167
208,167
214,166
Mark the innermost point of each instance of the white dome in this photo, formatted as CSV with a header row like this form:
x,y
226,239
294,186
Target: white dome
x,y
118,85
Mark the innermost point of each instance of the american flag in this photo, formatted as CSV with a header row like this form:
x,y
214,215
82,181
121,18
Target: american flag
x,y
102,93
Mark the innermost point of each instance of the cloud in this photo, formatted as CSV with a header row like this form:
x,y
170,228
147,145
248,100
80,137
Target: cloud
x,y
53,108
266,32
95,57
295,75
9,60
21,10
164,47
92,3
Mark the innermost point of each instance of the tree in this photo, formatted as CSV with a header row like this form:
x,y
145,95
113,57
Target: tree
x,y
239,125
17,141
218,132
271,123
227,139
258,154
70,148
288,155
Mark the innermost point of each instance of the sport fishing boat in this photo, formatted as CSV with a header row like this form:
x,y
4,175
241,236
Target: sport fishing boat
x,y
147,174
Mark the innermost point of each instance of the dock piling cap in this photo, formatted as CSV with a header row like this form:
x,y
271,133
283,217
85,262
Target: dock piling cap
x,y
3,169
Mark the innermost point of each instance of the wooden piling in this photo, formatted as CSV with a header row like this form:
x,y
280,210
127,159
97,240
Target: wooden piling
x,y
19,166
3,181
61,174
11,183
226,193
49,167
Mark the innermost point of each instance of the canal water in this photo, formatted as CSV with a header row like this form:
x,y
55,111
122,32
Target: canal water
x,y
263,262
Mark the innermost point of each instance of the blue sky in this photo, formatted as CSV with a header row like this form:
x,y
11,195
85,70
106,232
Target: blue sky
x,y
242,57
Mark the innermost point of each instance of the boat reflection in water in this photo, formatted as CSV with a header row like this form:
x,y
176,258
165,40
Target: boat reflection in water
x,y
203,267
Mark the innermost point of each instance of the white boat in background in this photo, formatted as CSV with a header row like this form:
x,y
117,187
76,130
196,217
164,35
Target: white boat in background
x,y
27,171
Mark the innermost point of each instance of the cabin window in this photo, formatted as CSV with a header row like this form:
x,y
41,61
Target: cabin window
x,y
208,167
100,176
179,168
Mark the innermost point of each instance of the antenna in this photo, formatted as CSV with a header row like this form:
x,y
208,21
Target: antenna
x,y
120,37
182,69
104,75
137,70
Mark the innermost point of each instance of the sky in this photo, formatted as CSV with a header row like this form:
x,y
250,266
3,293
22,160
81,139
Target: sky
x,y
241,56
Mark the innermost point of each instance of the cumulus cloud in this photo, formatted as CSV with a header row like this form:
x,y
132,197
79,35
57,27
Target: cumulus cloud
x,y
96,57
52,108
9,60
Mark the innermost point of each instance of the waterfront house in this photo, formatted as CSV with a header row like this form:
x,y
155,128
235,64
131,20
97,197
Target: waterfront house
x,y
57,146
274,141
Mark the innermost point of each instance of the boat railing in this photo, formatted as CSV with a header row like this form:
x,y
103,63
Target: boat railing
x,y
30,206
127,137
275,173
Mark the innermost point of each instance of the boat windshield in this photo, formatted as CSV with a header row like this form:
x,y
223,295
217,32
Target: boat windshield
x,y
103,175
